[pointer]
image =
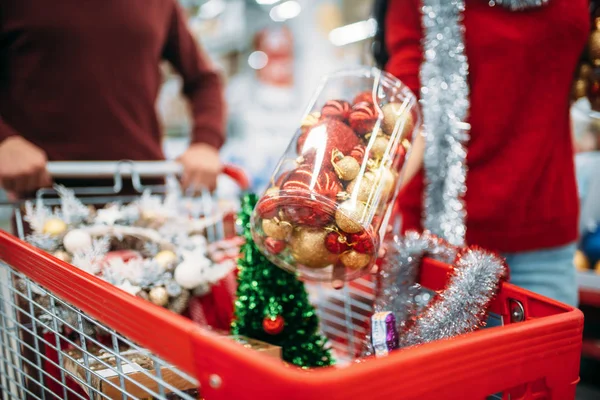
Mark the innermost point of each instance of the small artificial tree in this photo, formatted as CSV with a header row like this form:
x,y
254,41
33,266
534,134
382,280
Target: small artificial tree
x,y
273,306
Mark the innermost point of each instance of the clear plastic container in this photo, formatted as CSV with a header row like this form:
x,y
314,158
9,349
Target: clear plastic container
x,y
331,194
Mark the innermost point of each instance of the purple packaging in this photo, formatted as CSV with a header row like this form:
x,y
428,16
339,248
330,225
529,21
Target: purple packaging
x,y
384,336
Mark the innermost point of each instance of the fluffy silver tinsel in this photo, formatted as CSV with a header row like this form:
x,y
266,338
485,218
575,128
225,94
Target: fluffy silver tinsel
x,y
459,309
445,102
462,307
517,5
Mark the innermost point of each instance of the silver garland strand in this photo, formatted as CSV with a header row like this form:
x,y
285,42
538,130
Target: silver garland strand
x,y
518,5
445,102
462,307
398,286
459,309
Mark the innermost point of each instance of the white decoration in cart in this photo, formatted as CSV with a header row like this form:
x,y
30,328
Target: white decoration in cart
x,y
191,272
129,288
109,215
77,240
43,241
36,216
73,211
90,260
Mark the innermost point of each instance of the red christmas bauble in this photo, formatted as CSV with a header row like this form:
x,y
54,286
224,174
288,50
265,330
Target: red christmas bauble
x,y
335,243
301,179
363,118
363,97
338,109
326,136
268,206
273,325
361,242
274,246
307,212
358,152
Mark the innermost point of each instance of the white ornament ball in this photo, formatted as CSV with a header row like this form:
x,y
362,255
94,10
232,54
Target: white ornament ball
x,y
190,273
165,259
159,296
77,240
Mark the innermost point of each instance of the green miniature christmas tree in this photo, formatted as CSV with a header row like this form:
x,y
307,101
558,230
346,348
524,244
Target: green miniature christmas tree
x,y
273,306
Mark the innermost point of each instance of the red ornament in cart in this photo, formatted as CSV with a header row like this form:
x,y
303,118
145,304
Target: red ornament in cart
x,y
273,325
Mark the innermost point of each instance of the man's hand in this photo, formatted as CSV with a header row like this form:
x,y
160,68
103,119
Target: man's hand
x,y
201,167
22,166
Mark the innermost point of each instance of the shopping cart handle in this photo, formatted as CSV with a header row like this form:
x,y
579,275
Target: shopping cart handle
x,y
125,168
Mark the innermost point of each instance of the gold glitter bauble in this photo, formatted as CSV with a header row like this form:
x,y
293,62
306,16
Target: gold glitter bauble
x,y
581,262
54,227
62,255
310,120
347,168
585,71
355,260
279,230
594,44
349,215
579,89
388,179
365,184
308,248
379,147
159,296
165,259
597,267
392,114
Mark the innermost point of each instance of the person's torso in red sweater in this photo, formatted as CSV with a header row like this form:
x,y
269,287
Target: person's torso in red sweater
x,y
79,78
521,187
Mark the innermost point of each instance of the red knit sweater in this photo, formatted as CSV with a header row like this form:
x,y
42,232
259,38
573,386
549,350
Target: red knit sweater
x,y
79,78
521,188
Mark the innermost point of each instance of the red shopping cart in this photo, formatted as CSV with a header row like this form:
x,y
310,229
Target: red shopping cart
x,y
532,353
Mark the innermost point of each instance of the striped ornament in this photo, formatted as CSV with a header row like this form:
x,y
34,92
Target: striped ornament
x,y
366,97
337,109
327,184
362,118
358,153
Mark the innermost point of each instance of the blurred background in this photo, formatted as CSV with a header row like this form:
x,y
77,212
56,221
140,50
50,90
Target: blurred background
x,y
273,54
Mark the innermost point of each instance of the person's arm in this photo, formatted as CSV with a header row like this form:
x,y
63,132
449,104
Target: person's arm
x,y
22,164
403,36
203,87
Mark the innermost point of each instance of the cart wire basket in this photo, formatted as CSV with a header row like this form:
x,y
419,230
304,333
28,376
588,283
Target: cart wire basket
x,y
90,340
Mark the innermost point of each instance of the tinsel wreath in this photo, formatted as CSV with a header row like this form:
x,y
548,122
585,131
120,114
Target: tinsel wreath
x,y
445,103
460,308
273,306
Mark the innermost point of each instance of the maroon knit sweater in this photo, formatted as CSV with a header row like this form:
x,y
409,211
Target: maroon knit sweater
x,y
80,78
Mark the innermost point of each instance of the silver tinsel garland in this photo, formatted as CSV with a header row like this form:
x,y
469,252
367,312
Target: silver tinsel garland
x,y
517,5
459,309
445,103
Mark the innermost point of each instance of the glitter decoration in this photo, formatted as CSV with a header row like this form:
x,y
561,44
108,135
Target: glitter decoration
x,y
462,306
518,5
72,210
445,104
459,309
268,293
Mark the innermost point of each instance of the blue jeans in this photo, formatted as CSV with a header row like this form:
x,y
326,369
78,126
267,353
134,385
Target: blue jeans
x,y
549,272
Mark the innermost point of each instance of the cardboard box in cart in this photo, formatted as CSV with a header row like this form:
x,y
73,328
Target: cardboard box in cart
x,y
533,355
